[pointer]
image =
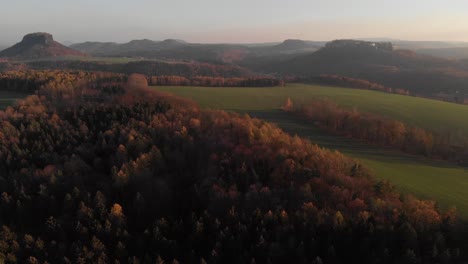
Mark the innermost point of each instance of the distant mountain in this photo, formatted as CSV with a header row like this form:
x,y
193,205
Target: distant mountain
x,y
169,49
457,53
94,47
172,49
131,48
351,56
378,62
38,45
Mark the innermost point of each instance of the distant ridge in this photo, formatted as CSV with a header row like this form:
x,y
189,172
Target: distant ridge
x,y
38,45
294,44
174,49
378,62
131,48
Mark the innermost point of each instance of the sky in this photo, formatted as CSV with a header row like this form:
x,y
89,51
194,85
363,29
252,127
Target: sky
x,y
234,21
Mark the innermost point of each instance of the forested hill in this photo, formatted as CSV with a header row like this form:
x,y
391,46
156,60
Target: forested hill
x,y
128,175
375,62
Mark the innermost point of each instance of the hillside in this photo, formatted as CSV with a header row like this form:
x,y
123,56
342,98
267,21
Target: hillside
x,y
38,45
376,62
441,181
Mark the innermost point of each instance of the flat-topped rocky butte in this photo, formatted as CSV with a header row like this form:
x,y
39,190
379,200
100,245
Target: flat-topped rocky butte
x,y
38,45
38,38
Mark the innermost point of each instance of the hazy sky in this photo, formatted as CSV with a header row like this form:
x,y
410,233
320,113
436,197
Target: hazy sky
x,y
234,20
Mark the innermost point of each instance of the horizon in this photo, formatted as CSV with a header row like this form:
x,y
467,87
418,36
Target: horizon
x,y
210,21
370,39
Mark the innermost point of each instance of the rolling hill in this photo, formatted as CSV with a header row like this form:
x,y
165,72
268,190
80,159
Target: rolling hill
x,y
376,62
181,50
169,49
38,45
112,48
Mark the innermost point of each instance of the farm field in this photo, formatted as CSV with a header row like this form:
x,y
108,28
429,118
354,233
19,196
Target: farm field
x,y
8,98
438,180
429,114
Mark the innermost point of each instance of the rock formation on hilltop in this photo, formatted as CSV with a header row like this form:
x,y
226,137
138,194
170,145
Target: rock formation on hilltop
x,y
38,45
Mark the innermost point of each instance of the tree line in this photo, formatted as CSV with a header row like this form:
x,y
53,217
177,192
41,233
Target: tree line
x,y
187,69
343,81
214,81
80,84
380,130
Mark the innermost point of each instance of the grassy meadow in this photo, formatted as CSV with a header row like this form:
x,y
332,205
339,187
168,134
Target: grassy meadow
x,y
438,180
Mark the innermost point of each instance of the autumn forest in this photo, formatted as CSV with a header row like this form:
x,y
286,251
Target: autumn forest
x,y
99,168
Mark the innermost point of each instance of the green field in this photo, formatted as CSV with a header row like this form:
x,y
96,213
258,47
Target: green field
x,y
430,114
438,180
8,98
